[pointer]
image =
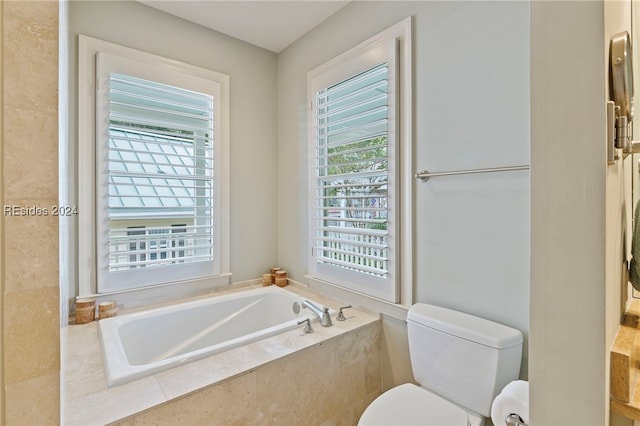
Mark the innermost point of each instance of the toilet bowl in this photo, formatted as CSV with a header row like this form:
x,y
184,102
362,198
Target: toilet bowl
x,y
410,405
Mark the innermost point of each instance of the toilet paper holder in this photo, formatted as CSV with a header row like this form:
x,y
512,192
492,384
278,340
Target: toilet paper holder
x,y
514,420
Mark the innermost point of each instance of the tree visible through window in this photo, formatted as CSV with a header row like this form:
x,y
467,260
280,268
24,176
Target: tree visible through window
x,y
367,201
352,170
360,147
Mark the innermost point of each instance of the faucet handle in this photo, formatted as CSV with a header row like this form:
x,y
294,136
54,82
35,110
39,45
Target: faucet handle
x,y
340,316
307,328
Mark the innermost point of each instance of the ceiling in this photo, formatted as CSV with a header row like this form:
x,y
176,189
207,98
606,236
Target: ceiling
x,y
272,25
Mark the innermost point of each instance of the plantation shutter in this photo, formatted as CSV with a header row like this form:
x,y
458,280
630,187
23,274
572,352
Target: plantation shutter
x,y
157,173
353,197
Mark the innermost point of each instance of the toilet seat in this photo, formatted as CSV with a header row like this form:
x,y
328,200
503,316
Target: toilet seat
x,y
409,404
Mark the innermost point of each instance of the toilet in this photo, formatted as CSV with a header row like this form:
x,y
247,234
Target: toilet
x,y
461,363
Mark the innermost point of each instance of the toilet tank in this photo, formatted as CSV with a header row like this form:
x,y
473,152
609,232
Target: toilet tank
x,y
463,358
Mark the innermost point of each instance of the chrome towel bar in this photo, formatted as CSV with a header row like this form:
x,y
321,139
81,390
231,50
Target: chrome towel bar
x,y
425,175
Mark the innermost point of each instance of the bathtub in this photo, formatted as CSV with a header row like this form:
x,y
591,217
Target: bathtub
x,y
140,344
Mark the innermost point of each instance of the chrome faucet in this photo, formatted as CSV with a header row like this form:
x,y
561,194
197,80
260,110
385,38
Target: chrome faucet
x,y
322,314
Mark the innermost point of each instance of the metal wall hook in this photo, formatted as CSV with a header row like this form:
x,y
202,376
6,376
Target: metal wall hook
x,y
620,109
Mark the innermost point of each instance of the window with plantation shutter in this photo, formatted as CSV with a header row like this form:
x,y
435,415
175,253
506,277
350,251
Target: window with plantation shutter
x,y
158,180
354,191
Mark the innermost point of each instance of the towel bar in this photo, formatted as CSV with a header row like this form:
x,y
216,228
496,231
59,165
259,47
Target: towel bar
x,y
425,175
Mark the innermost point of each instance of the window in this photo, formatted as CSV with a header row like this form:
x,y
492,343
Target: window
x,y
160,178
358,145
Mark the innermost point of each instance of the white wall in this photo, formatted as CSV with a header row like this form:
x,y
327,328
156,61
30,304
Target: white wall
x,y
252,72
471,85
568,178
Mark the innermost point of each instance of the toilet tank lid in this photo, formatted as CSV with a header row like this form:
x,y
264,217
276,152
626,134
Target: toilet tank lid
x,y
465,326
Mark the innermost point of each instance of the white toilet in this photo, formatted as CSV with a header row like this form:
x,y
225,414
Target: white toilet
x,y
461,362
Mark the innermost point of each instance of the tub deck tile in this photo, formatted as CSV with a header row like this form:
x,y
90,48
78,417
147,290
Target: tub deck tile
x,y
88,400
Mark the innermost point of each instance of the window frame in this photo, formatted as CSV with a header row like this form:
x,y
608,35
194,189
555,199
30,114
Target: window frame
x,y
395,41
88,270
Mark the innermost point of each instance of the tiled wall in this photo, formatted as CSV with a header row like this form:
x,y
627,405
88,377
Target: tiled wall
x,y
31,350
327,384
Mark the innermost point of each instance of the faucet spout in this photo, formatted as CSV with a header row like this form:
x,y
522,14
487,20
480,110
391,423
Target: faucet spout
x,y
315,309
322,314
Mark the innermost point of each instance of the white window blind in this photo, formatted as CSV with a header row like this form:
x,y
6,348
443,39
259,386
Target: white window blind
x,y
352,161
156,176
353,193
160,165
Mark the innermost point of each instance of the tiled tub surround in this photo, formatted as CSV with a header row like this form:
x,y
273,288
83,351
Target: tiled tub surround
x,y
326,377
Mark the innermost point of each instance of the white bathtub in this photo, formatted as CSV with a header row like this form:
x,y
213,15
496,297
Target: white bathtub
x,y
141,344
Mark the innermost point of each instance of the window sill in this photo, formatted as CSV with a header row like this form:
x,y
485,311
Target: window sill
x,y
394,310
137,297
